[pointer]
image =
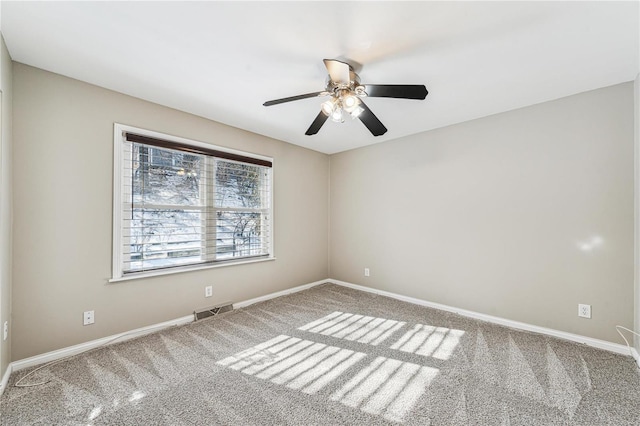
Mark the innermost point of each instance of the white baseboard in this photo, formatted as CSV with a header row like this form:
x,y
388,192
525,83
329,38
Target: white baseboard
x,y
83,347
5,378
117,338
596,343
278,294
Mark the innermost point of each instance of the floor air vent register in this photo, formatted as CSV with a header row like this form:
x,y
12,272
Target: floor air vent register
x,y
209,312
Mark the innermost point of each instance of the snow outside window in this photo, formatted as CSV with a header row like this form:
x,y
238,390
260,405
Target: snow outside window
x,y
186,203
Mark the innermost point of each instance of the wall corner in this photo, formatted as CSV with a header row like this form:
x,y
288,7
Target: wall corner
x,y
636,196
6,202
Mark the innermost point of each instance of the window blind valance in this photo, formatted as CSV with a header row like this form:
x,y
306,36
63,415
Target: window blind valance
x,y
147,140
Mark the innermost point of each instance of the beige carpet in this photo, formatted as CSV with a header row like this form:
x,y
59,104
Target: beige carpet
x,y
333,356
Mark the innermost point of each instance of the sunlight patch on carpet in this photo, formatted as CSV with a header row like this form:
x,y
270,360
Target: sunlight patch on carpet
x,y
296,363
386,387
426,340
353,327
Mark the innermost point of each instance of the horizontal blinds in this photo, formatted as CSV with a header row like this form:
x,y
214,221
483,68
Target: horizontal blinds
x,y
187,206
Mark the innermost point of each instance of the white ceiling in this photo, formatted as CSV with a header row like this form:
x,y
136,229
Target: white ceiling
x,y
222,60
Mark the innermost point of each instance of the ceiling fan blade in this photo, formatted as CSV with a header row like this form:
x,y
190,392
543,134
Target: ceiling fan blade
x,y
370,120
338,71
403,91
317,124
293,98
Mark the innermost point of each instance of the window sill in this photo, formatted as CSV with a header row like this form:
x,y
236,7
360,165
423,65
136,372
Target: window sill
x,y
178,270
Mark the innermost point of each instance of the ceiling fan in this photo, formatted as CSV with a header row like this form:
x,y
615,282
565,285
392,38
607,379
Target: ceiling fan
x,y
346,93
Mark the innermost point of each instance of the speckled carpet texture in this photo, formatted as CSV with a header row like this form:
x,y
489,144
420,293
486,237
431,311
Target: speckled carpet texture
x,y
331,355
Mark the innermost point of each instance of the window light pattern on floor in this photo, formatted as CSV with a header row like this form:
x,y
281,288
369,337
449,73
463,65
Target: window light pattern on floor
x,y
386,387
295,363
352,327
426,340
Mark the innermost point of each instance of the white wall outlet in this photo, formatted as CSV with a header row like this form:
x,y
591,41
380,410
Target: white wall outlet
x,y
6,330
584,311
88,318
208,291
366,272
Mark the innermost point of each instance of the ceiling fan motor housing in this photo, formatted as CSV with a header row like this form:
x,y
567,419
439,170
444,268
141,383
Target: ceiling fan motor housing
x,y
333,86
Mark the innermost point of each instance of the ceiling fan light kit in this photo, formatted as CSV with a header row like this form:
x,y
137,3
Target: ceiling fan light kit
x,y
346,93
345,101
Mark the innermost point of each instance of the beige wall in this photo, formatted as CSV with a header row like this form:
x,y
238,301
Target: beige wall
x,y
520,215
63,132
6,190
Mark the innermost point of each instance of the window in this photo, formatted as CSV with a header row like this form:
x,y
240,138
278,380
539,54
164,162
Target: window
x,y
181,203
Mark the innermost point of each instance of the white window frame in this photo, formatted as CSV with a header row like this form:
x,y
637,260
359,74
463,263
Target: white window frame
x,y
118,171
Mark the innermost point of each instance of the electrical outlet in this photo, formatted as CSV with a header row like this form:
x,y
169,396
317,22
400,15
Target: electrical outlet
x,y
6,330
208,291
366,272
88,318
584,311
